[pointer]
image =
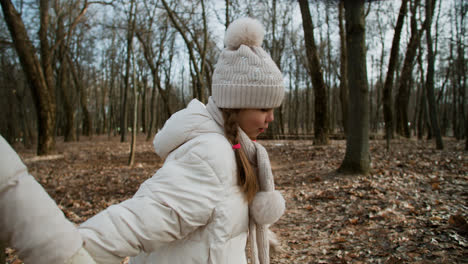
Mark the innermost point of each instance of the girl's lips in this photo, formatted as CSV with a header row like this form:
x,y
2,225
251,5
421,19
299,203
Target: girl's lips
x,y
261,130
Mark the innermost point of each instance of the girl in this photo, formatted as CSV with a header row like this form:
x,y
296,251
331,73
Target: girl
x,y
215,190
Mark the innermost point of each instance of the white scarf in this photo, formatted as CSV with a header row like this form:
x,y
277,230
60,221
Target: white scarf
x,y
268,205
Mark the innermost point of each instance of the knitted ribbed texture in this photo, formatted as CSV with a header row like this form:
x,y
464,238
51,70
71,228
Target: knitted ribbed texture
x,y
271,209
245,75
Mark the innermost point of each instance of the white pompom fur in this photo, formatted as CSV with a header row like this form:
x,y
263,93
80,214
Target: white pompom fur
x,y
246,31
267,207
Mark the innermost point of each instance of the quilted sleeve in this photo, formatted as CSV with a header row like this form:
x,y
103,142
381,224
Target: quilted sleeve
x,y
178,199
30,220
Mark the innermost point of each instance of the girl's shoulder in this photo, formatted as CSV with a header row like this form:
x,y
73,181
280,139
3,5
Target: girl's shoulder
x,y
207,145
211,149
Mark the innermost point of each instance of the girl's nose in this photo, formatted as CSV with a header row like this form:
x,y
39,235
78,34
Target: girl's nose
x,y
270,116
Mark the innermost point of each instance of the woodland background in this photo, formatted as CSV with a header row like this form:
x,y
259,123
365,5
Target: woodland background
x,y
357,74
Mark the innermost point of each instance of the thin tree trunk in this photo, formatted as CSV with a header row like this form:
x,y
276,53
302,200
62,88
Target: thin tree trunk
x,y
144,114
290,106
357,156
131,159
105,85
152,112
402,98
430,77
87,120
421,121
461,68
63,84
315,72
227,21
308,108
70,130
296,101
421,98
466,134
343,69
130,33
387,91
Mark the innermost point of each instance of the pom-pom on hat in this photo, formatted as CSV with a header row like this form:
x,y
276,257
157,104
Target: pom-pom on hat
x,y
245,75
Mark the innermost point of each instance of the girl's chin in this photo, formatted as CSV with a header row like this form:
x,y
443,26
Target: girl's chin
x,y
253,136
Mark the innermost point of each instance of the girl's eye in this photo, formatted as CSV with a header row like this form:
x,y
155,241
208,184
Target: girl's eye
x,y
264,110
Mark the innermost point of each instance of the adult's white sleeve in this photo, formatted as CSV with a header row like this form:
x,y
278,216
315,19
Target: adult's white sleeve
x,y
30,220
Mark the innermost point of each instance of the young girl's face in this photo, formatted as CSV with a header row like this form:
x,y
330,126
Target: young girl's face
x,y
255,121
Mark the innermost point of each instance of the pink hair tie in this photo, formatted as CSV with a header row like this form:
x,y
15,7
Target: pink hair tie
x,y
236,146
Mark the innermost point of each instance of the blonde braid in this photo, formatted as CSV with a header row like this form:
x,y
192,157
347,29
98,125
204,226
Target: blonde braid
x,y
247,178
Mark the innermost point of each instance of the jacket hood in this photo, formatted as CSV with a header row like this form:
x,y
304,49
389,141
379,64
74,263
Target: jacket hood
x,y
184,125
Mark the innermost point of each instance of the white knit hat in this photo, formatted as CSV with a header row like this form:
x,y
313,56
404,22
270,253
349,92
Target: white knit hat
x,y
245,75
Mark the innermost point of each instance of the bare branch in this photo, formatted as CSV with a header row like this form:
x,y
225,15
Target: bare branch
x,y
6,42
78,19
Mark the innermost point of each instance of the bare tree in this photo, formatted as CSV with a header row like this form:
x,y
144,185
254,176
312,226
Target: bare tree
x,y
387,91
191,40
36,73
315,72
124,92
131,158
357,156
459,74
402,97
154,47
430,4
343,69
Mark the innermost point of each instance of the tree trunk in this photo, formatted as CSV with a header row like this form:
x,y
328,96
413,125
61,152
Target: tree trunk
x,y
87,120
63,85
44,96
70,130
402,98
296,100
421,121
315,72
420,101
144,114
430,77
343,69
102,106
387,92
227,22
131,159
289,98
308,108
466,134
151,111
357,157
460,66
130,33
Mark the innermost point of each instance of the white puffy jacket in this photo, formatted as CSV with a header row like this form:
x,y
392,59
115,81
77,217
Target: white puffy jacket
x,y
190,211
30,220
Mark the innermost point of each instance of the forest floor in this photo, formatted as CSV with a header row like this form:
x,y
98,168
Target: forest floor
x,y
412,208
